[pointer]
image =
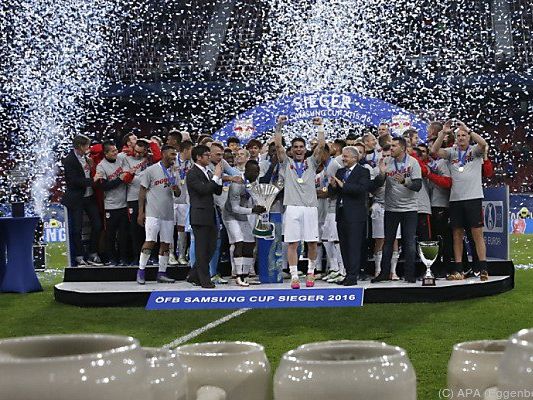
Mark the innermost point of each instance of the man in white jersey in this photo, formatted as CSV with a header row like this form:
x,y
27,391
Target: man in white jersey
x,y
158,186
181,203
300,222
135,166
329,234
235,214
465,163
377,215
372,155
110,175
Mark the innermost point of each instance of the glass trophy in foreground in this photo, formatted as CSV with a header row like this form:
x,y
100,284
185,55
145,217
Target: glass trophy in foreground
x,y
264,195
428,251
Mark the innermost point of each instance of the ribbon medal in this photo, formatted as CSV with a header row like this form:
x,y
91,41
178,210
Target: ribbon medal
x,y
170,178
462,158
300,167
182,170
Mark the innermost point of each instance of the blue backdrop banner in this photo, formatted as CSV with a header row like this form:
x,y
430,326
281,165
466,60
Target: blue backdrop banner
x,y
252,298
351,107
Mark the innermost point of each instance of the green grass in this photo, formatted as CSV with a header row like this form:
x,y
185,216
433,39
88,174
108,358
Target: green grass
x,y
426,331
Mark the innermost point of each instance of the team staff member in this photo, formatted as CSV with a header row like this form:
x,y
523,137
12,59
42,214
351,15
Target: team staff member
x,y
403,181
79,198
202,184
300,221
351,185
465,162
156,213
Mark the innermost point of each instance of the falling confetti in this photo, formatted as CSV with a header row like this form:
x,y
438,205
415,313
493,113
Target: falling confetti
x,y
104,67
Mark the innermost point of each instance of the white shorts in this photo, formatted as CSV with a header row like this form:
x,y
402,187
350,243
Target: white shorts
x,y
329,229
300,223
180,214
239,231
378,222
154,226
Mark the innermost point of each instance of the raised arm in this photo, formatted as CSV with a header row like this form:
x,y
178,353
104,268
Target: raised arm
x,y
319,149
436,148
278,138
482,144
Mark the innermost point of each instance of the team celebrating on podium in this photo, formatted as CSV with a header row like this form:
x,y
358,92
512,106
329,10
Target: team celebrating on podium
x,y
343,203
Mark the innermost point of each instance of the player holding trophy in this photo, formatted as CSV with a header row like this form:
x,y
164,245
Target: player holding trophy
x,y
300,222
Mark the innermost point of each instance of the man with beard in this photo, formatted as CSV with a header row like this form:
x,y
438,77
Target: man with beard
x,y
110,176
158,186
235,216
135,166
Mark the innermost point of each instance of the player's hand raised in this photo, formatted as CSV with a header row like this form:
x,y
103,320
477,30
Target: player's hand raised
x,y
317,121
218,170
282,120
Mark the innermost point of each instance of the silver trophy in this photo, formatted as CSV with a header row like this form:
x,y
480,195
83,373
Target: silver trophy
x,y
428,251
264,194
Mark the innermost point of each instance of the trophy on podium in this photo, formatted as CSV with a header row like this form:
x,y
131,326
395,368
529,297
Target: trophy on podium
x,y
428,252
264,195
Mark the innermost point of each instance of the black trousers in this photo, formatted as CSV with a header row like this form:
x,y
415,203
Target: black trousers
x,y
442,231
205,243
352,240
423,229
116,225
408,221
137,232
88,205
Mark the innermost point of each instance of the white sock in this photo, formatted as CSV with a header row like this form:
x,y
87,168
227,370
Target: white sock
x,y
293,269
394,262
182,244
171,248
143,259
285,259
163,263
331,252
377,261
247,265
239,265
311,267
232,259
342,270
318,259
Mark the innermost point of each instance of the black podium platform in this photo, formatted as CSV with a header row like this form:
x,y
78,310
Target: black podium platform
x,y
116,286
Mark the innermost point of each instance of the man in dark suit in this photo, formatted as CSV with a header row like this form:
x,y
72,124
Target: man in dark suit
x,y
78,198
202,185
351,185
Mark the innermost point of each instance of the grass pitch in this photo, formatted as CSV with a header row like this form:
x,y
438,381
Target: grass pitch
x,y
427,331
